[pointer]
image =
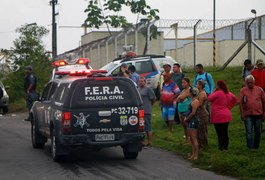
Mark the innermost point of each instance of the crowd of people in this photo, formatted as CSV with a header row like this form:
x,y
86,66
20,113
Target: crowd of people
x,y
195,104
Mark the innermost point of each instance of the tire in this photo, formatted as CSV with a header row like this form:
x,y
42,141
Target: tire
x,y
129,155
56,149
38,141
5,109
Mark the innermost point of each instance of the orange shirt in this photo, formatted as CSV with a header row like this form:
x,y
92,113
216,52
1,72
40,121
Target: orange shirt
x,y
253,100
259,75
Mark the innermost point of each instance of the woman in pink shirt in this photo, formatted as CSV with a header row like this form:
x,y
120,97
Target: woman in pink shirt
x,y
222,101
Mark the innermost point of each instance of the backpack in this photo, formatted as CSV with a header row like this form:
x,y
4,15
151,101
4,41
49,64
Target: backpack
x,y
207,80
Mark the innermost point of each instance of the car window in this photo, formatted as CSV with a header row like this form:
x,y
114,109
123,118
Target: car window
x,y
117,70
45,92
109,66
144,67
159,62
52,90
61,93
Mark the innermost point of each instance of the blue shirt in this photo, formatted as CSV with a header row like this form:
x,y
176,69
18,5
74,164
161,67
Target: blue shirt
x,y
207,77
135,77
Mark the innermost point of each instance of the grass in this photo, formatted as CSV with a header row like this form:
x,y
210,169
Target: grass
x,y
238,161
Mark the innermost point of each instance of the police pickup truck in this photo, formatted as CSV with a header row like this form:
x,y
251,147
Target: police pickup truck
x,y
88,109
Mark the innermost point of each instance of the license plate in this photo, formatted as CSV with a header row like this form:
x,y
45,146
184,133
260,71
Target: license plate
x,y
105,137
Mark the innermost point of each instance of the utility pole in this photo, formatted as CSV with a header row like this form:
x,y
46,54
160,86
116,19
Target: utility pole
x,y
195,42
54,29
214,35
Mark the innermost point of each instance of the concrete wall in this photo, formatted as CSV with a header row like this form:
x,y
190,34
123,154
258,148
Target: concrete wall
x,y
93,36
98,57
224,50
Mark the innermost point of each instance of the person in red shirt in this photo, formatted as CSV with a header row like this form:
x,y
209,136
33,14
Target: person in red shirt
x,y
252,103
169,92
259,74
222,101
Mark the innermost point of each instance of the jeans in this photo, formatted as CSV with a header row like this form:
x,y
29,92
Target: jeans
x,y
222,134
250,122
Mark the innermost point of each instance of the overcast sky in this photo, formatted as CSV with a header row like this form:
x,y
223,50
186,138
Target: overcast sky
x,y
14,13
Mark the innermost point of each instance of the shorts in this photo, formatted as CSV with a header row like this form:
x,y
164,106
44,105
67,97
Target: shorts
x,y
147,123
168,113
193,123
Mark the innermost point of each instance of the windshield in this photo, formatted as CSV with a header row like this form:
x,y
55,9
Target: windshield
x,y
96,93
109,66
159,62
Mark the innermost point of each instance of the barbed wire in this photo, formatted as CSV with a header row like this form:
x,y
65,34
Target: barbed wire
x,y
205,24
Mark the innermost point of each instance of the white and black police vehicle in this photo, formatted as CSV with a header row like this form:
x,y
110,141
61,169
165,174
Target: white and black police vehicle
x,y
86,108
148,66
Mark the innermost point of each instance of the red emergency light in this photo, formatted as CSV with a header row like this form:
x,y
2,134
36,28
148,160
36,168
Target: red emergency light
x,y
83,61
59,63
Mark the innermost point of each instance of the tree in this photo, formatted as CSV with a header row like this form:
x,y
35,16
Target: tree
x,y
28,50
96,14
5,67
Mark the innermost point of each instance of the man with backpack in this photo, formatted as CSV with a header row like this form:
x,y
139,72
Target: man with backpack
x,y
247,69
207,77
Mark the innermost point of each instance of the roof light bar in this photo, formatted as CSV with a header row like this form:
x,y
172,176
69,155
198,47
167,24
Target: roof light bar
x,y
59,63
83,61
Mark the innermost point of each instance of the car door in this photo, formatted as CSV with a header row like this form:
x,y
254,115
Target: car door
x,y
145,68
47,106
41,107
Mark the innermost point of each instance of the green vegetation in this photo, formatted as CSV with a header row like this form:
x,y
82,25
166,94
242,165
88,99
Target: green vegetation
x,y
100,12
28,49
238,161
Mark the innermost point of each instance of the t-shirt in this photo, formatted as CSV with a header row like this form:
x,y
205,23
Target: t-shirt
x,y
259,75
30,79
177,78
246,72
147,95
207,77
135,77
252,100
167,92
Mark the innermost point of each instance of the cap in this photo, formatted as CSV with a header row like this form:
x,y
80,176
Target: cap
x,y
167,74
167,64
259,61
28,68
